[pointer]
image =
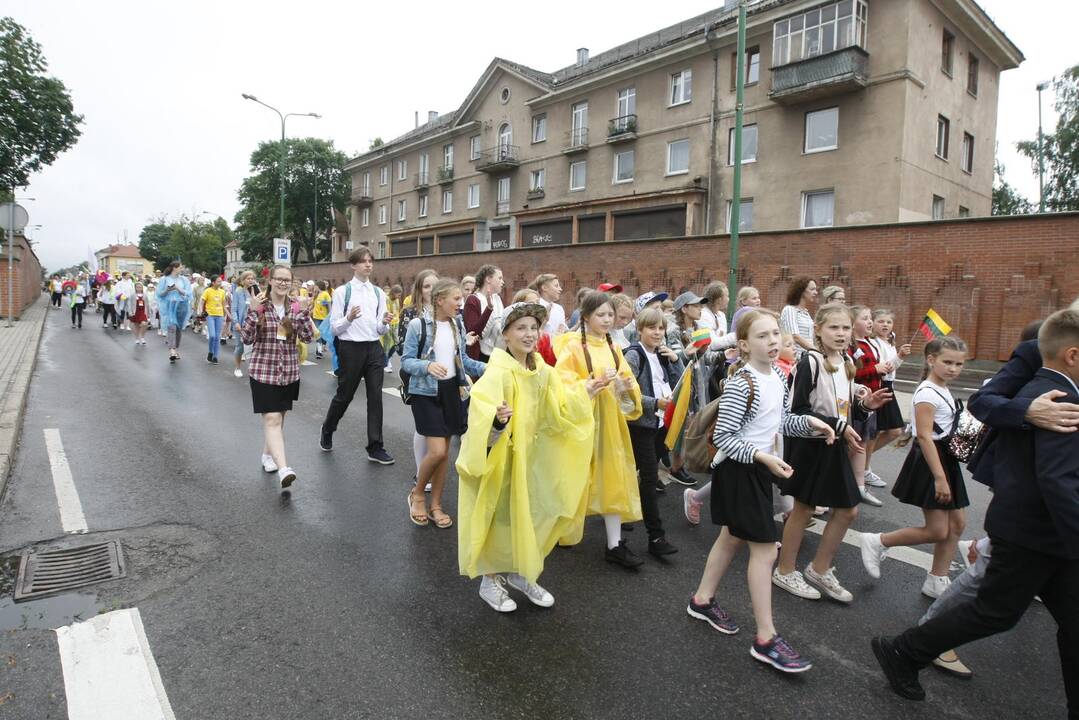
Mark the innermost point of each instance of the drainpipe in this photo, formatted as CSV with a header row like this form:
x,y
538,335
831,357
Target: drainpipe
x,y
710,197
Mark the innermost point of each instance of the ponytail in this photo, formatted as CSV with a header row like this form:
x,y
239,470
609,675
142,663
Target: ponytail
x,y
939,344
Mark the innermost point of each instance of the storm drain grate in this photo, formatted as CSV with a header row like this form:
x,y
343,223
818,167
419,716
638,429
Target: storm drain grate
x,y
56,571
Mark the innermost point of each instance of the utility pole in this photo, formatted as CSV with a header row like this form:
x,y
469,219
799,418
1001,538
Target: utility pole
x,y
736,191
1041,153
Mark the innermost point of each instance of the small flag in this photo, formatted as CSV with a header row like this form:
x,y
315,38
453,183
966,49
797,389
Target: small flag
x,y
934,326
701,338
674,418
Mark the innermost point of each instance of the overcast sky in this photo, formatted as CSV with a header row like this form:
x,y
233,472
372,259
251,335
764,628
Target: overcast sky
x,y
166,130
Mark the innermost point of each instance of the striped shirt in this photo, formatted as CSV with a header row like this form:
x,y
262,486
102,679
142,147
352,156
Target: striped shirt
x,y
737,412
797,321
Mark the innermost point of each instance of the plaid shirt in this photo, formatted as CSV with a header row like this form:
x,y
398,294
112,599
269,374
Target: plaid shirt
x,y
273,361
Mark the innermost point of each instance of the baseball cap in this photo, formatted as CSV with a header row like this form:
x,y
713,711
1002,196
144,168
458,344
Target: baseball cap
x,y
687,298
649,297
610,288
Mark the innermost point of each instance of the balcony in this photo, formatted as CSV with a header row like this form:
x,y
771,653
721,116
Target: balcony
x,y
422,180
361,196
445,175
622,129
822,76
576,141
499,159
502,207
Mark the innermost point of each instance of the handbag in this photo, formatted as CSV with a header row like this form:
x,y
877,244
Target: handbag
x,y
967,434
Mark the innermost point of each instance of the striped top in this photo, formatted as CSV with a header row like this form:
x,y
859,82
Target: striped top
x,y
737,412
797,321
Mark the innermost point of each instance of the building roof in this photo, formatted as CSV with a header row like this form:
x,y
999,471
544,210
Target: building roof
x,y
232,244
126,251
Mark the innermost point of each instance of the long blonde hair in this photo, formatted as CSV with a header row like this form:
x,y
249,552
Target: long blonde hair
x,y
822,316
741,332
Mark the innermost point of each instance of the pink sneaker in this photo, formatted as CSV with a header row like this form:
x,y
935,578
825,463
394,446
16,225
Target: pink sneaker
x,y
691,507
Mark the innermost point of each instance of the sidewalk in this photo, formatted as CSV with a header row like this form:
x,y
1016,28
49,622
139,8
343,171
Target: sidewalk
x,y
20,343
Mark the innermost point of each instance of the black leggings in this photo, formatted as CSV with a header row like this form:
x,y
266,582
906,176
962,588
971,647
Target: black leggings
x,y
108,309
56,299
645,441
77,310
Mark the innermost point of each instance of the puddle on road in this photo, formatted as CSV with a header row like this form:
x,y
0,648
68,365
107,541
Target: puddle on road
x,y
44,614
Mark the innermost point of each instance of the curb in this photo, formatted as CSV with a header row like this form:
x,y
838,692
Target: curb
x,y
11,414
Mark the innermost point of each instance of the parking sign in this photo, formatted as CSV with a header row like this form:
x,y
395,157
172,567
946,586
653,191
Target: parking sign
x,y
282,251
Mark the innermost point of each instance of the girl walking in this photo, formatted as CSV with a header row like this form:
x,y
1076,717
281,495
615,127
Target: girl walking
x,y
139,317
438,386
245,290
931,477
868,370
174,305
890,421
419,307
79,294
273,325
212,306
106,297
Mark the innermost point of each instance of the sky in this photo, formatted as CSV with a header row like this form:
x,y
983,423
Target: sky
x,y
167,133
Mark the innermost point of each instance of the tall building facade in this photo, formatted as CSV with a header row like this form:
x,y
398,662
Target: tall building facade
x,y
856,111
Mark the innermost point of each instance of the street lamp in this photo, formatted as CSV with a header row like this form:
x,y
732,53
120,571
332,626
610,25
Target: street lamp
x,y
1041,157
283,116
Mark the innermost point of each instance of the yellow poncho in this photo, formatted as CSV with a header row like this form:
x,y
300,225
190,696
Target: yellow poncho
x,y
516,501
612,487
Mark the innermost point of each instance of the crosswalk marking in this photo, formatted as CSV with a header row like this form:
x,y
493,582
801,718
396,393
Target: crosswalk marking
x,y
908,555
67,497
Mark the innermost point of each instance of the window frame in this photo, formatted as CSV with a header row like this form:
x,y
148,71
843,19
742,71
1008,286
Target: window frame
x,y
365,217
973,71
365,184
402,170
383,175
750,53
730,145
539,123
796,29
947,52
473,205
805,131
685,89
584,180
383,215
943,122
421,206
447,155
964,212
670,147
615,167
741,204
402,210
474,148
937,201
966,157
806,194
447,208
542,174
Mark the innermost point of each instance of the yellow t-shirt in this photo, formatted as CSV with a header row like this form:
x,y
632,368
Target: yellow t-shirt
x,y
322,306
213,301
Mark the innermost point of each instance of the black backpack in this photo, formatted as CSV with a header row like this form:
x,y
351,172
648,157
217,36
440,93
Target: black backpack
x,y
406,397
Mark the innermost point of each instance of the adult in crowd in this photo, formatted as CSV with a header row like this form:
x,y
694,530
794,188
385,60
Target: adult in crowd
x,y
796,318
174,305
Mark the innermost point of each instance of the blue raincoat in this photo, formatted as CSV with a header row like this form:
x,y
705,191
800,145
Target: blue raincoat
x,y
175,306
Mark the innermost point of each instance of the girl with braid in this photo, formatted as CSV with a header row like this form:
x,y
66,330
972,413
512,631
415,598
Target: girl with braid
x,y
589,354
438,386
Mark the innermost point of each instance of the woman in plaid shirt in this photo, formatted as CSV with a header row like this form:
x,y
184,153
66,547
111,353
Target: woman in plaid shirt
x,y
273,326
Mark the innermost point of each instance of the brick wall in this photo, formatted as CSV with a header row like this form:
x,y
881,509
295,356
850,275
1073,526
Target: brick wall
x,y
26,275
987,277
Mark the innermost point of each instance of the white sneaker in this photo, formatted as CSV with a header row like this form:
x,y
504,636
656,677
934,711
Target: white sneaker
x,y
935,585
238,372
873,552
964,552
874,480
268,464
828,584
868,498
795,584
389,368
536,594
494,593
286,476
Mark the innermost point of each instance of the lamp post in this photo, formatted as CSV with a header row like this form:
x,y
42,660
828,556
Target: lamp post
x,y
736,189
1041,155
283,116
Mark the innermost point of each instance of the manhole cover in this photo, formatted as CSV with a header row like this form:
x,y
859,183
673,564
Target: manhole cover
x,y
57,571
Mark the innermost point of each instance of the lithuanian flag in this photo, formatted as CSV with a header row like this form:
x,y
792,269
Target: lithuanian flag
x,y
674,417
933,325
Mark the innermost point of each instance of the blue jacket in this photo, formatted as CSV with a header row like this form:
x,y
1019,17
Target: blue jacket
x,y
414,360
642,371
1036,483
998,405
240,299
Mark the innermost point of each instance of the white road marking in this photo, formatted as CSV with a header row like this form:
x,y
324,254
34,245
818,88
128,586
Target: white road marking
x,y
908,555
67,497
109,671
392,391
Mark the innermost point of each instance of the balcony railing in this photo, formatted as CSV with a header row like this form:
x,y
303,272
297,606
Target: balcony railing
x,y
445,174
536,194
422,180
576,141
498,159
361,196
622,128
502,207
837,72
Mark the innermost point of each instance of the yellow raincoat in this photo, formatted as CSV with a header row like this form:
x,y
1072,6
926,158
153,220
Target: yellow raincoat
x,y
612,487
527,492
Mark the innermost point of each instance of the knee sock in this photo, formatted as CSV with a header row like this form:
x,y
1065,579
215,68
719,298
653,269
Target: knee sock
x,y
613,524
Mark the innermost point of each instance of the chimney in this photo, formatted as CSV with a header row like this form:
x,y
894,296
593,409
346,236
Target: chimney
x,y
582,56
417,118
432,115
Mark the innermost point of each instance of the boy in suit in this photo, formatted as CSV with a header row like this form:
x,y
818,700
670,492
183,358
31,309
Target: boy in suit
x,y
1033,523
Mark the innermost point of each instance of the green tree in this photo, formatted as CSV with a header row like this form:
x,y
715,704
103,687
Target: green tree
x,y
376,143
314,172
1061,147
152,238
1006,199
37,118
198,245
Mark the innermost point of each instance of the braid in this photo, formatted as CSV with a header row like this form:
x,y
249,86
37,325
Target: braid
x,y
434,331
584,349
613,353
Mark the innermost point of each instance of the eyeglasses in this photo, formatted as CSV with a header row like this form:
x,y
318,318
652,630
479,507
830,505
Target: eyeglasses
x,y
282,280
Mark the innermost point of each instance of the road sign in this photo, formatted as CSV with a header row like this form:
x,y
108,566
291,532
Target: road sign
x,y
282,251
13,216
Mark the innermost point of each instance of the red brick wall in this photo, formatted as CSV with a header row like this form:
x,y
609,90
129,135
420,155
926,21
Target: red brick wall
x,y
27,275
987,277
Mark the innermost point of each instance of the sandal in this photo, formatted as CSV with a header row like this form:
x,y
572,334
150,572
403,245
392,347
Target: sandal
x,y
439,518
418,518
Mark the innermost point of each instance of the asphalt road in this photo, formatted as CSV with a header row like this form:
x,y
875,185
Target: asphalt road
x,y
329,603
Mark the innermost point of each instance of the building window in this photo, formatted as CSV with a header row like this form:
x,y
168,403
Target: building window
x,y
938,207
626,106
943,130
537,179
447,201
964,211
402,209
474,147
578,175
749,144
966,163
366,185
681,87
422,210
753,66
819,31
383,174
972,75
447,156
623,166
678,157
402,169
505,138
947,49
745,215
822,130
818,208
539,128
579,124
381,214
473,196
365,217
503,198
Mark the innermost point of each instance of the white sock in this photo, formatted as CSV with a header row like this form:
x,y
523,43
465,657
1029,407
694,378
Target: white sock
x,y
613,524
419,448
702,494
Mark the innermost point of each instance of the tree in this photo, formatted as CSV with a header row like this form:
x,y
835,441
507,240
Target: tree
x,y
376,143
152,238
1060,148
314,172
37,118
1006,199
198,245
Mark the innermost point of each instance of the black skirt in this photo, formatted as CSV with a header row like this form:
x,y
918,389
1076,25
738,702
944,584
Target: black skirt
x,y
915,485
444,415
268,398
742,501
864,422
822,473
890,417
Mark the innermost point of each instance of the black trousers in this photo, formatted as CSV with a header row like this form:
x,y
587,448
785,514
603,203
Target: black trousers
x,y
1014,576
56,299
77,310
359,361
109,310
644,441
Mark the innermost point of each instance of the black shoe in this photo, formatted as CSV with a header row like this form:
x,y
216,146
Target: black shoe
x,y
657,547
214,361
222,341
380,456
627,527
623,556
172,359
326,441
681,477
901,674
209,357
660,487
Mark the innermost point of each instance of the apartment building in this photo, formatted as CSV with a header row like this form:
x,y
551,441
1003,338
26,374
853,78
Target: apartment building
x,y
856,111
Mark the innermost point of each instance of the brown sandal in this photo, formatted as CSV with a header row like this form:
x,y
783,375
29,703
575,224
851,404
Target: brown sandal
x,y
439,518
420,517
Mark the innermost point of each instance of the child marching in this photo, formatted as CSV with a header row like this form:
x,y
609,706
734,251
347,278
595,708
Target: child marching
x,y
890,422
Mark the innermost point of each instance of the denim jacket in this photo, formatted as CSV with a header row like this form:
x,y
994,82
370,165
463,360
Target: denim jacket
x,y
414,360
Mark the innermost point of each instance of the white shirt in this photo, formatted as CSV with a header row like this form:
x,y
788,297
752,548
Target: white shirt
x,y
943,407
618,335
842,392
556,318
660,387
887,353
368,327
761,432
797,321
444,346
